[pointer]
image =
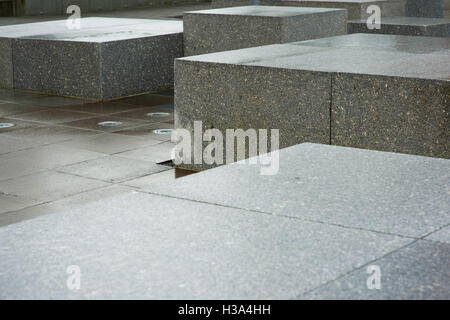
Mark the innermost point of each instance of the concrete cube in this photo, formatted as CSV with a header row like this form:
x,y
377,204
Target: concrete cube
x,y
225,29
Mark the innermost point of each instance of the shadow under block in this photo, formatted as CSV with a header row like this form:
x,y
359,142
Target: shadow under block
x,y
382,92
357,9
226,29
107,58
411,26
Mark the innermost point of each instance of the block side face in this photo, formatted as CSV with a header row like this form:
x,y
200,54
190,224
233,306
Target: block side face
x,y
139,65
359,27
425,8
6,64
57,67
313,26
247,97
214,33
391,114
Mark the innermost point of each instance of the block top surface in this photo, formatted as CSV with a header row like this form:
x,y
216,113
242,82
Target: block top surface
x,y
264,11
407,21
373,54
93,29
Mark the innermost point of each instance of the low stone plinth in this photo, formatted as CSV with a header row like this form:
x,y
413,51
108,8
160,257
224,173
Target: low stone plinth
x,y
107,58
225,29
411,26
381,92
357,9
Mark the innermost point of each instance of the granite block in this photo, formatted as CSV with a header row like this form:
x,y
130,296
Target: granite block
x,y
228,96
412,26
141,246
425,8
6,66
107,58
226,29
357,9
442,235
417,272
379,191
383,92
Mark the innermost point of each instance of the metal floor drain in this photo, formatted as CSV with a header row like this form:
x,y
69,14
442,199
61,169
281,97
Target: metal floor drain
x,y
6,125
110,123
158,114
163,131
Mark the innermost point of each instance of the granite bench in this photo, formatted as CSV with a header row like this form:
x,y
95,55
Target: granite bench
x,y
381,92
106,58
207,31
357,9
412,26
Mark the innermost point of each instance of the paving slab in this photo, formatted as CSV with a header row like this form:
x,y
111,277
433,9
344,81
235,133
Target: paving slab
x,y
384,192
413,26
382,92
418,272
442,235
150,247
112,169
357,9
226,29
107,58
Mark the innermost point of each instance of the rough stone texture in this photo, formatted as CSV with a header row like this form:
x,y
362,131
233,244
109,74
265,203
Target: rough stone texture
x,y
419,271
226,29
357,9
6,66
106,58
389,93
234,95
411,26
442,235
425,8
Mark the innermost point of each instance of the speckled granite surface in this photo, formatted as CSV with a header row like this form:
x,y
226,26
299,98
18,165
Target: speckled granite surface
x,y
383,92
6,66
357,9
410,26
106,58
425,8
234,234
226,29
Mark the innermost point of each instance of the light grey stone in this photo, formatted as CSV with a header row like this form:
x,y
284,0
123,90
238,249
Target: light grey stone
x,y
442,235
385,192
357,9
382,92
417,272
139,246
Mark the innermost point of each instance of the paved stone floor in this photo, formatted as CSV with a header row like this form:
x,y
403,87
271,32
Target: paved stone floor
x,y
57,154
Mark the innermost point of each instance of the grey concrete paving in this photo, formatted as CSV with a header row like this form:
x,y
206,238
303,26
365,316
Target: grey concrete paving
x,y
215,30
